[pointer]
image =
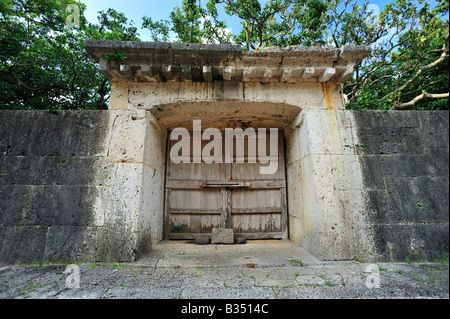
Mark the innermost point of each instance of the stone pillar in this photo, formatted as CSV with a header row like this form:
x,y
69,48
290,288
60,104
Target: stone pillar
x,y
133,206
327,201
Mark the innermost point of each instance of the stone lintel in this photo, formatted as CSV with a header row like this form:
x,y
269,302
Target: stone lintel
x,y
178,62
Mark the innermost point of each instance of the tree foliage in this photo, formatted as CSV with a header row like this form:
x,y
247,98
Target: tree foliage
x,y
43,64
408,67
279,22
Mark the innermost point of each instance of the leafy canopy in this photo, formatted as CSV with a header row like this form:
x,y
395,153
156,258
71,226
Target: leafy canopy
x,y
43,64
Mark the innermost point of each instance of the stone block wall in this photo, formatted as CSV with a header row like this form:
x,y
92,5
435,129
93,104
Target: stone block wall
x,y
372,185
71,185
89,185
51,166
405,166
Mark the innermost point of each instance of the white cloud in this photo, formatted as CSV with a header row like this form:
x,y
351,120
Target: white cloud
x,y
223,32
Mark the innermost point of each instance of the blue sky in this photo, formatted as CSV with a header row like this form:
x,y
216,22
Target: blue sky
x,y
136,9
157,9
133,9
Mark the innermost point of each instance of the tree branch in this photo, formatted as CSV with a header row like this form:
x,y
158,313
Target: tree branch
x,y
425,86
444,56
21,84
424,95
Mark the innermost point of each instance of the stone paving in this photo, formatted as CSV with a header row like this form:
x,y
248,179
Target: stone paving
x,y
264,270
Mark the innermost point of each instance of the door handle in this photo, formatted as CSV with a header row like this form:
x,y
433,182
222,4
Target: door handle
x,y
226,184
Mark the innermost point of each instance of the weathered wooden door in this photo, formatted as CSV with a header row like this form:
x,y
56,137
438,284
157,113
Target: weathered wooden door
x,y
202,196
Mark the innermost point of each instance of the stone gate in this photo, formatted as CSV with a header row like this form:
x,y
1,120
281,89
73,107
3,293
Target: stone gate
x,y
350,184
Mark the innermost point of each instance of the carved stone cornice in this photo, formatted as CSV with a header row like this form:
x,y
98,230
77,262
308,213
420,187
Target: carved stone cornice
x,y
179,62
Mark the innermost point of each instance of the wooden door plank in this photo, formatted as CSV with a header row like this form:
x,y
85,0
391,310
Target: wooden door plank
x,y
284,217
181,211
167,221
265,210
260,235
189,184
256,211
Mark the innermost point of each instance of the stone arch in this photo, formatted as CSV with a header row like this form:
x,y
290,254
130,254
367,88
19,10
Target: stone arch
x,y
223,114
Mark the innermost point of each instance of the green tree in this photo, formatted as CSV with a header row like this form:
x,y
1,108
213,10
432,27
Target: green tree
x,y
43,64
114,25
25,61
279,22
408,67
191,23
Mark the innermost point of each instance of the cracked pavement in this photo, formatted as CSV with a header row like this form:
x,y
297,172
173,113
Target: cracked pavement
x,y
259,270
